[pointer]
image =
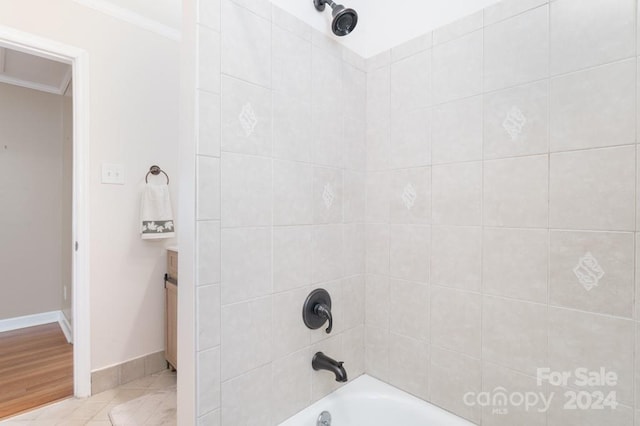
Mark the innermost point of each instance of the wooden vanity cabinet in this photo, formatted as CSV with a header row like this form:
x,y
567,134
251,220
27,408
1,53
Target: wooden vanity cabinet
x,y
171,309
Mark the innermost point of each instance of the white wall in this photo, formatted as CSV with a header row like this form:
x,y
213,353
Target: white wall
x,y
31,213
134,121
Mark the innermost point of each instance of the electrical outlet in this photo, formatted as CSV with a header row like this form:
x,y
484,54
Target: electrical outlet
x,y
113,174
64,290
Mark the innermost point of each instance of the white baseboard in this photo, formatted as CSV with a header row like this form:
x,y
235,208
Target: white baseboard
x,y
29,321
66,327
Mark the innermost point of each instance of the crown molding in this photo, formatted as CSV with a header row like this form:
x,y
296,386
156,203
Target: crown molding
x,y
131,17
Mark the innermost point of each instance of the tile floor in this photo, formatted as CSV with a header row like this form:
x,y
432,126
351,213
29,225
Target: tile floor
x,y
93,411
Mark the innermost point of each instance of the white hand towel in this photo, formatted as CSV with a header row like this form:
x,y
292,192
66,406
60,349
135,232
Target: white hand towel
x,y
156,213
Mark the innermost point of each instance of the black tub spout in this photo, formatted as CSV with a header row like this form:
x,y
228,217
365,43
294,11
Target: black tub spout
x,y
322,362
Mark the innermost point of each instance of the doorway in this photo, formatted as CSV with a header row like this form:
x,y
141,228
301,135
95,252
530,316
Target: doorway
x,y
36,250
78,245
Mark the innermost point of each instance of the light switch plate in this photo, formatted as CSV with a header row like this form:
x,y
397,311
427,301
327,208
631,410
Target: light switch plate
x,y
113,174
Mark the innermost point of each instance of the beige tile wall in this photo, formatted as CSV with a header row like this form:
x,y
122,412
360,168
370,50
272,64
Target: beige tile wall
x,y
281,204
476,173
501,211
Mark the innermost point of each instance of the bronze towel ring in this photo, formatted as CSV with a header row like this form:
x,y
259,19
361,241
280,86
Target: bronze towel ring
x,y
156,170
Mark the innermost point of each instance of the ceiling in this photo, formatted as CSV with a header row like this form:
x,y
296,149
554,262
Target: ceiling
x,y
33,72
380,27
384,24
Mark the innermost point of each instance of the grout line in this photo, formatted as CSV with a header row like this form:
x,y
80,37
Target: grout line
x,y
549,156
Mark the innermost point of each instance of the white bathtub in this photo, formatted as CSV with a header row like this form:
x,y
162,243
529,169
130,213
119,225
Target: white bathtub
x,y
369,402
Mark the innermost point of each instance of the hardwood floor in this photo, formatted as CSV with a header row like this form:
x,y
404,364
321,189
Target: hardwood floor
x,y
36,368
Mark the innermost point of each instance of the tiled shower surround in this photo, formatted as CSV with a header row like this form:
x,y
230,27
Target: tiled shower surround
x,y
468,199
281,211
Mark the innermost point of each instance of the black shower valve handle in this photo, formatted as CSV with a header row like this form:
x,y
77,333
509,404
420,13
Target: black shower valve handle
x,y
322,310
316,310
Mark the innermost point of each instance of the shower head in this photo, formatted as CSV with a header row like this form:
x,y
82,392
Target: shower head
x,y
344,20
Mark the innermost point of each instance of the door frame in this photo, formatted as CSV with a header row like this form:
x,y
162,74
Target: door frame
x,y
79,61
